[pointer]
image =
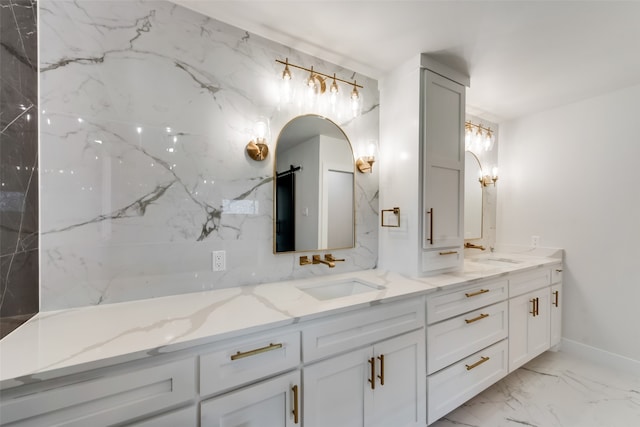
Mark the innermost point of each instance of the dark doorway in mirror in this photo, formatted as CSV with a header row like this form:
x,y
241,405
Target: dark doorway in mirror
x,y
285,210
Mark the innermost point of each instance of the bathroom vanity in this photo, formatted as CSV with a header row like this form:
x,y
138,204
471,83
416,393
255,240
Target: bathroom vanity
x,y
345,349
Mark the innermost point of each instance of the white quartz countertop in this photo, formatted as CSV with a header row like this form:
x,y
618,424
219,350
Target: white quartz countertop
x,y
62,342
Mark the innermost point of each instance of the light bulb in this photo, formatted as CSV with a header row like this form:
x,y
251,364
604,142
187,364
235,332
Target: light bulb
x,y
334,85
286,74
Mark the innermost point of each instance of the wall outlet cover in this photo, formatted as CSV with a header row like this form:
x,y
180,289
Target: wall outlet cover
x,y
219,261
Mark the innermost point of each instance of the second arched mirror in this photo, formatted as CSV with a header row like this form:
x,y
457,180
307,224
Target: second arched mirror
x,y
313,187
472,197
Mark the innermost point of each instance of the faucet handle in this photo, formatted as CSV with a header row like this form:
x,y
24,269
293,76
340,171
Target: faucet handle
x,y
304,260
331,258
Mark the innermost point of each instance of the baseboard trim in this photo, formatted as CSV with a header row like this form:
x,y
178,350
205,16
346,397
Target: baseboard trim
x,y
600,356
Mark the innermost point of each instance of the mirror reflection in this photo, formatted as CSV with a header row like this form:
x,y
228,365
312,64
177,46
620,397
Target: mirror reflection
x,y
313,187
472,197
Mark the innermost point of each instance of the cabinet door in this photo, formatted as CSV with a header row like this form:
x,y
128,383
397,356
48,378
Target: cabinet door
x,y
268,403
556,314
336,391
529,328
443,131
399,400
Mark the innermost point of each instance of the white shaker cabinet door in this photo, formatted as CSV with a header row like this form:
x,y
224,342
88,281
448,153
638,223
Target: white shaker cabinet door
x,y
335,393
529,328
399,400
556,314
274,403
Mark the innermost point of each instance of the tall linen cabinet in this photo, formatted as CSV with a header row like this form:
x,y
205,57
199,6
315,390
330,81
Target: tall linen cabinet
x,y
422,111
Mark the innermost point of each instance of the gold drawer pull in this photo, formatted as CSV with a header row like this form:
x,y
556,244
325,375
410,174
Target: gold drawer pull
x,y
296,410
473,294
240,355
372,362
475,319
381,376
448,253
478,363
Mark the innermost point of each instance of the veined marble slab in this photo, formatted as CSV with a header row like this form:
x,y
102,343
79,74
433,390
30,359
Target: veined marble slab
x,y
146,108
62,342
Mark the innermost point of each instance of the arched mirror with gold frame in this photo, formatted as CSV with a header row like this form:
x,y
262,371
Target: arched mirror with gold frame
x,y
472,197
314,185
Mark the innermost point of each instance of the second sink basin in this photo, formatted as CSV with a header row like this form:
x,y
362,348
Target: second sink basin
x,y
339,289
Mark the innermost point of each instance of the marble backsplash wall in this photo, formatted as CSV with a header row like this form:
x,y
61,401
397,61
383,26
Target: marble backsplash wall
x,y
18,163
146,109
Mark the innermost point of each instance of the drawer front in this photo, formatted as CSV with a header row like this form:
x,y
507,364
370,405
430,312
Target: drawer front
x,y
556,273
451,387
110,399
530,281
454,339
182,417
441,259
445,306
248,359
344,332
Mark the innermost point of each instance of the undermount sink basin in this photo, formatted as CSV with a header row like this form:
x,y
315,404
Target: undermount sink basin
x,y
497,261
339,289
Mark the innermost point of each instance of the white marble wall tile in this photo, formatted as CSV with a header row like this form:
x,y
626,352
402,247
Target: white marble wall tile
x,y
146,108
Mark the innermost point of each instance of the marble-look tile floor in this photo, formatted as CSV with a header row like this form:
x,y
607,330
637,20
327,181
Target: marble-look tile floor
x,y
554,390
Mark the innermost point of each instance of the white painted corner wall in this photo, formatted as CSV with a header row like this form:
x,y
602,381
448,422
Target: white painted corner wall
x,y
570,176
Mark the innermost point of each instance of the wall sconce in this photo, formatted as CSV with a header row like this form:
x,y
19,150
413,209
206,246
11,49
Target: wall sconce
x,y
257,148
365,163
317,85
477,137
486,179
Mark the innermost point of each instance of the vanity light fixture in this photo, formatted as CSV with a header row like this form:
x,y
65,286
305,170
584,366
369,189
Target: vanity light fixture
x,y
316,81
477,137
257,148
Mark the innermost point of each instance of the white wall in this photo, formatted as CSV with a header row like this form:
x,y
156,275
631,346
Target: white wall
x,y
570,175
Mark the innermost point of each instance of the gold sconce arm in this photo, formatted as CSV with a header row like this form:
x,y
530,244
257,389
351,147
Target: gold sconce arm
x,y
365,164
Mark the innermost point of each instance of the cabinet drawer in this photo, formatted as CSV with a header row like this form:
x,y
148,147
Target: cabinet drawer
x,y
352,330
530,281
182,417
248,359
441,259
451,387
107,400
447,305
453,339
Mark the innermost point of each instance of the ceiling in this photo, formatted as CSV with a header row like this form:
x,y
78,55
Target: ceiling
x,y
522,56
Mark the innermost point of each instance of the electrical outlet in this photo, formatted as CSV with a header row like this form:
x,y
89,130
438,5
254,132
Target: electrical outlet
x,y
218,260
535,241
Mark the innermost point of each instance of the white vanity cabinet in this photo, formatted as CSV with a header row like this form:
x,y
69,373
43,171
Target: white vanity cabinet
x,y
379,385
274,402
422,139
556,305
466,343
443,114
378,382
105,397
243,362
529,316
